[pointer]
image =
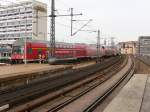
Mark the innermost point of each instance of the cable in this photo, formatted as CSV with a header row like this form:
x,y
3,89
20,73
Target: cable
x,y
67,26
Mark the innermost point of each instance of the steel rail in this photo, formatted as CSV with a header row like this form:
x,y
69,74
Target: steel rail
x,y
40,101
109,91
35,90
58,107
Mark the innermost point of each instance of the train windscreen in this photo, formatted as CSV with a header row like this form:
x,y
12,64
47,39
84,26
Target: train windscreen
x,y
17,49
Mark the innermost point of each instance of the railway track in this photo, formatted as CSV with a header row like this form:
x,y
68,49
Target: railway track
x,y
108,73
14,97
42,87
92,106
109,91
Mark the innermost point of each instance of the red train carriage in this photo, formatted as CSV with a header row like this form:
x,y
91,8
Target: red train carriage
x,y
80,50
34,49
64,51
91,51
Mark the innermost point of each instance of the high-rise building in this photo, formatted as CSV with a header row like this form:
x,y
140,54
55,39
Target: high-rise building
x,y
22,20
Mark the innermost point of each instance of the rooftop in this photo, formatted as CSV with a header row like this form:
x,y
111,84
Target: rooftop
x,y
37,5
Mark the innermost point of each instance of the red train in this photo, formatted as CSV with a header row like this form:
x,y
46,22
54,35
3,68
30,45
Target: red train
x,y
64,51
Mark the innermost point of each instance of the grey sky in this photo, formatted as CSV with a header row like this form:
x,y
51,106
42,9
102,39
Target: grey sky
x,y
123,19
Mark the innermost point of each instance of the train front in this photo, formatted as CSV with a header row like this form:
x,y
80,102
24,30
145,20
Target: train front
x,y
17,52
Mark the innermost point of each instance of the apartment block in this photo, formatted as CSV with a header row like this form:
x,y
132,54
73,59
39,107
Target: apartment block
x,y
22,20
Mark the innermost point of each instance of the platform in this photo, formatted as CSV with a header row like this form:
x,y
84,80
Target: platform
x,y
21,69
12,75
134,97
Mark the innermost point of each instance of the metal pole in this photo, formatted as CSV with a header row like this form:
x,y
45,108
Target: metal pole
x,y
25,42
139,46
71,21
52,29
98,45
37,23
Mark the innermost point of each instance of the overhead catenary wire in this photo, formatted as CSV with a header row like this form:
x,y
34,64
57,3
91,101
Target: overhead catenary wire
x,y
82,27
67,26
73,20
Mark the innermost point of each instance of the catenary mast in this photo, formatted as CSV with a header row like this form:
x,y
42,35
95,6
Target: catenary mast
x,y
52,29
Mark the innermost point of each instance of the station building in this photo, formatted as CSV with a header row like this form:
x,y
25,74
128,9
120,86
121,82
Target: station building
x,y
129,47
144,46
22,20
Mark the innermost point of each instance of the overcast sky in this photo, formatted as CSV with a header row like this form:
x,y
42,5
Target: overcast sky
x,y
124,19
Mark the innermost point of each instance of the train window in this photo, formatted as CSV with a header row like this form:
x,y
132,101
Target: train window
x,y
29,50
5,54
39,51
17,49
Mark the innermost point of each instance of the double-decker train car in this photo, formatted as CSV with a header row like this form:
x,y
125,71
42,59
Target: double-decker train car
x,y
64,50
91,51
32,51
36,50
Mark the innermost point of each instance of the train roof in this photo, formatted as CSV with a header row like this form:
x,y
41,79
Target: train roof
x,y
77,45
46,42
34,41
21,42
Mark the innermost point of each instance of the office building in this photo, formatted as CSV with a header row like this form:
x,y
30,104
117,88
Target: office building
x,y
22,20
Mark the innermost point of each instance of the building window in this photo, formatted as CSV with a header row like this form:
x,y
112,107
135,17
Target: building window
x,y
22,9
29,21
